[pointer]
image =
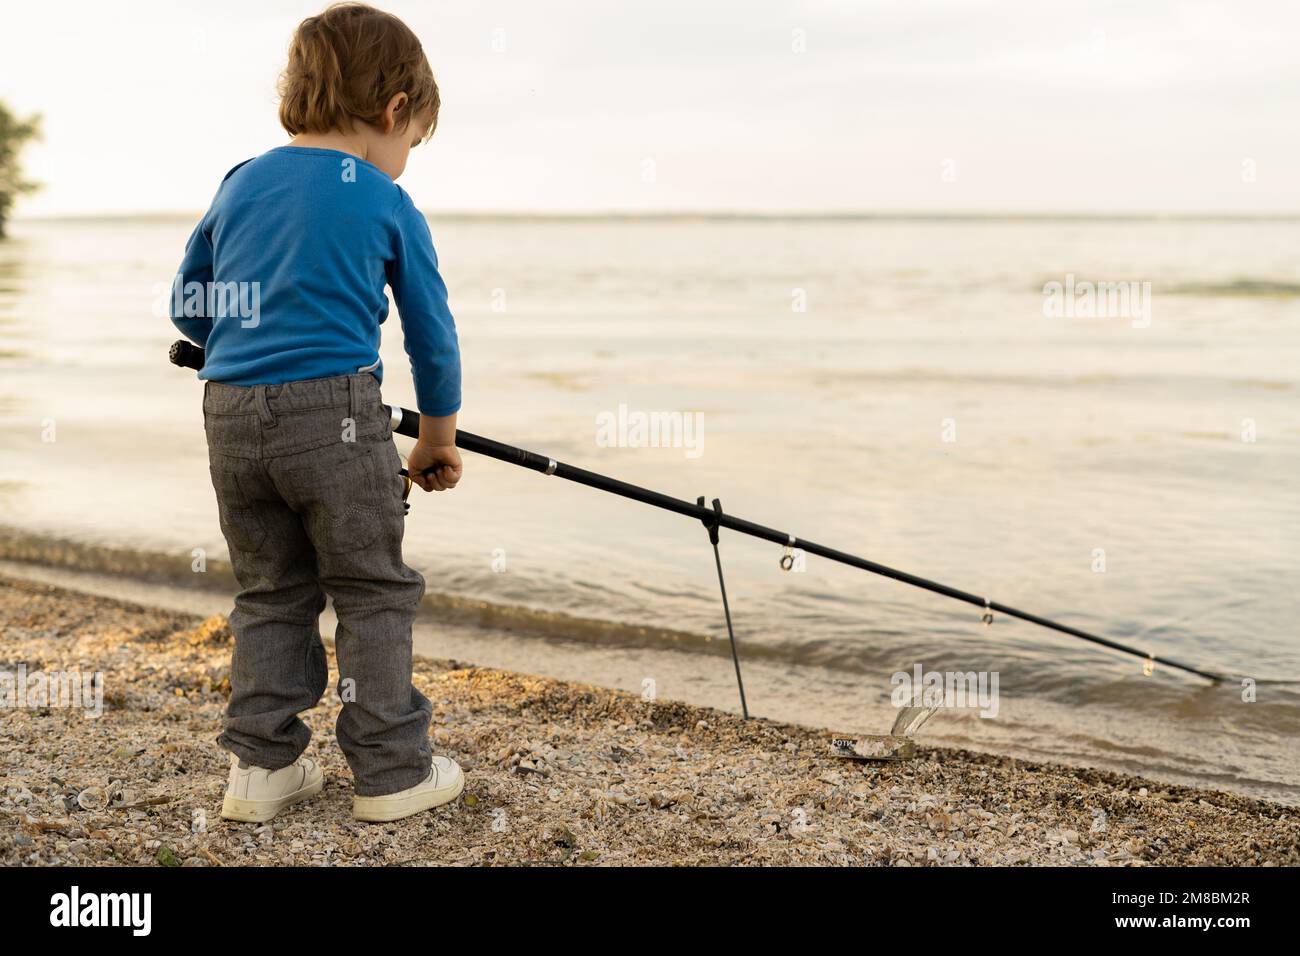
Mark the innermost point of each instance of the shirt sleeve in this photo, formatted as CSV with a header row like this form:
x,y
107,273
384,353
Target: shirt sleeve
x,y
428,329
196,266
188,310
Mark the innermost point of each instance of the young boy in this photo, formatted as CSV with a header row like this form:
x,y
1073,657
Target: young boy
x,y
300,447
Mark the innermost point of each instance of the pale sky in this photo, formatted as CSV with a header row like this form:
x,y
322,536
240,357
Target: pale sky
x,y
663,105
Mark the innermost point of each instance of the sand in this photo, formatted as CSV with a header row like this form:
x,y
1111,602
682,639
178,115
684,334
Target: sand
x,y
557,774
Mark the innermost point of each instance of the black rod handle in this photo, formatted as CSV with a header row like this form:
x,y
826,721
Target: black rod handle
x,y
186,355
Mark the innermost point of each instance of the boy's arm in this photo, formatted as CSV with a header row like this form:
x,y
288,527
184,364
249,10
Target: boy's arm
x,y
189,313
428,329
429,335
196,266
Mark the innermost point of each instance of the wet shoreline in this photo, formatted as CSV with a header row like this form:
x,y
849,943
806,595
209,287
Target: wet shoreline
x,y
558,773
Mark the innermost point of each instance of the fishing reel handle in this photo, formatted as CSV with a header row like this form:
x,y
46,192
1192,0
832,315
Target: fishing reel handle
x,y
188,355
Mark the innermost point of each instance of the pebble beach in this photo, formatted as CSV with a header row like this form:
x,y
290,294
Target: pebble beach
x,y
558,773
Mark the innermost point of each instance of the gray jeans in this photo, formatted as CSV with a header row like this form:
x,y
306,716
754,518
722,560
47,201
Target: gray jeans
x,y
310,503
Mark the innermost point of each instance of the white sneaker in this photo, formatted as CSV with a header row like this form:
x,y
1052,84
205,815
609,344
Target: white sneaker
x,y
255,795
445,782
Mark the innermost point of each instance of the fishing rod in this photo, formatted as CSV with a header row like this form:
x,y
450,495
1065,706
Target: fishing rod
x,y
407,422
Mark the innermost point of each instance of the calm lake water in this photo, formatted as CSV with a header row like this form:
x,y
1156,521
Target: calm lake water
x,y
892,388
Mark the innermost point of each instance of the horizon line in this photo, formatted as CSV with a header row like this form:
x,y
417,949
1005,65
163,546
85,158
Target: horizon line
x,y
738,215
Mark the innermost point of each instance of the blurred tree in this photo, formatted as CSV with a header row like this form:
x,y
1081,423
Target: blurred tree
x,y
14,134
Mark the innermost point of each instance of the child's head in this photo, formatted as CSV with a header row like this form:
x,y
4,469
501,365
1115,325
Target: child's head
x,y
360,71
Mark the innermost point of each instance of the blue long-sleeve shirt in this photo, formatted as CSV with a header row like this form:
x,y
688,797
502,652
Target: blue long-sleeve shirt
x,y
283,278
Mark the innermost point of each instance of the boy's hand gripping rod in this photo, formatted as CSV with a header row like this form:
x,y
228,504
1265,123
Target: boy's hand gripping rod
x,y
407,422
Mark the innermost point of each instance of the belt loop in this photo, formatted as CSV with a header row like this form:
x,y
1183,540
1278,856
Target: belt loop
x,y
263,408
354,397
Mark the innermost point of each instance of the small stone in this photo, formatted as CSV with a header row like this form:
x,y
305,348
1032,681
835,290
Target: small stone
x,y
92,798
560,836
165,857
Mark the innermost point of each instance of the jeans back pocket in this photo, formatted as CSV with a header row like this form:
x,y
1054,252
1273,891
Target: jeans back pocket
x,y
342,496
238,516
